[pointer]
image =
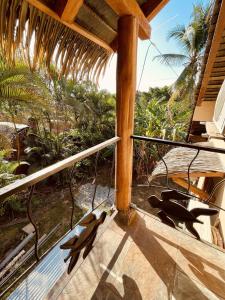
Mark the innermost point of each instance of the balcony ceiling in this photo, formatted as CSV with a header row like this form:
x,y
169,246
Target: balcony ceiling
x,y
213,66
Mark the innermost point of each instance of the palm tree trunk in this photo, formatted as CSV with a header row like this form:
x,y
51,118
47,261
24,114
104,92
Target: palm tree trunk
x,y
16,134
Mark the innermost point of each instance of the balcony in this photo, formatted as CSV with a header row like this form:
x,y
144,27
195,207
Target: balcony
x,y
145,259
115,251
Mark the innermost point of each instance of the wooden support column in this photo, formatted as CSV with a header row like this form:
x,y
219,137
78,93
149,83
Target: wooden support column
x,y
126,89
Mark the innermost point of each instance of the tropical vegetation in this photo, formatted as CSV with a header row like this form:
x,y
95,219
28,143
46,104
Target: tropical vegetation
x,y
66,116
191,40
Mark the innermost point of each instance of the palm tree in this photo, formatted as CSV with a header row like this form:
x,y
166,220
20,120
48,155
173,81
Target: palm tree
x,y
20,88
93,109
192,40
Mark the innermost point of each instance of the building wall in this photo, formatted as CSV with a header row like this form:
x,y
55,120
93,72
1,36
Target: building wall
x,y
220,193
204,112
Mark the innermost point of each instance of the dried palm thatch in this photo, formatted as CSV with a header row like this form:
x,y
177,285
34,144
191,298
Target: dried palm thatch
x,y
178,160
46,41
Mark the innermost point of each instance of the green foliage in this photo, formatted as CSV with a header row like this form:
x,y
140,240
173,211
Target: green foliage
x,y
72,116
162,94
21,91
191,40
19,86
165,112
94,111
90,113
152,118
5,143
43,150
6,177
5,165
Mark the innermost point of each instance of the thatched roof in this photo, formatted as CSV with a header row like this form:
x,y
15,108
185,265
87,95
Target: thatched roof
x,y
78,36
213,65
178,160
45,40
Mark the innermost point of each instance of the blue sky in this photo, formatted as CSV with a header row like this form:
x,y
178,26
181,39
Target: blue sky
x,y
155,74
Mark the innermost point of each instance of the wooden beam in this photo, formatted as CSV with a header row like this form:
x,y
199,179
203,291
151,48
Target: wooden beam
x,y
197,174
217,77
152,7
219,74
45,9
71,10
150,10
221,52
220,59
218,69
218,33
195,190
131,7
222,47
114,44
214,86
126,89
211,93
208,99
58,6
218,64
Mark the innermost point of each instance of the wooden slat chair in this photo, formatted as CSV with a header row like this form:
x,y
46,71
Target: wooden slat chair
x,y
207,164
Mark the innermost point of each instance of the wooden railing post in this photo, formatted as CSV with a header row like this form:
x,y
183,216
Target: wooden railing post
x,y
126,89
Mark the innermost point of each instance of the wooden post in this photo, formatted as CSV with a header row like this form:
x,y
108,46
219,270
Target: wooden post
x,y
126,89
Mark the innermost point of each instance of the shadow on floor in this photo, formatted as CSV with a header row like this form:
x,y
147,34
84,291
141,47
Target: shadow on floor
x,y
161,260
107,290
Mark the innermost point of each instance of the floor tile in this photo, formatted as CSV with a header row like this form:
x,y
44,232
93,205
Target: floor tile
x,y
151,278
202,263
104,260
188,289
128,230
148,260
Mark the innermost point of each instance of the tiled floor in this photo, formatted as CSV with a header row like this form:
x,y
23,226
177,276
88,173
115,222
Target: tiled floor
x,y
147,260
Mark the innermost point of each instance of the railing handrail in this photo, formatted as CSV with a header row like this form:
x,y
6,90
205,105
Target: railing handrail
x,y
38,176
179,144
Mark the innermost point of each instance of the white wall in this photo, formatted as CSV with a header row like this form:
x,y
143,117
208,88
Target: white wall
x,y
220,193
204,112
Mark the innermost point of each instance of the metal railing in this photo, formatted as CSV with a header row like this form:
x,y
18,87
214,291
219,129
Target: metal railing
x,y
198,149
178,144
172,192
30,181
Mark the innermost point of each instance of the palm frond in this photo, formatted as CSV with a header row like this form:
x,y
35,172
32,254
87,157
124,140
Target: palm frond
x,y
23,26
20,86
173,59
177,32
